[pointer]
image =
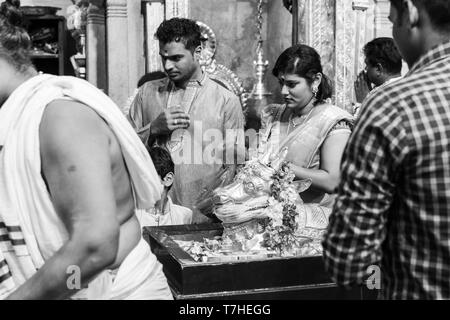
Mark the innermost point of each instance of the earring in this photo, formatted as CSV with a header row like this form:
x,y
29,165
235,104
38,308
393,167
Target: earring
x,y
314,91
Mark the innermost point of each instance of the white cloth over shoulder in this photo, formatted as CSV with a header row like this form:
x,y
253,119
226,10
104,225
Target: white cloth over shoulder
x,y
30,229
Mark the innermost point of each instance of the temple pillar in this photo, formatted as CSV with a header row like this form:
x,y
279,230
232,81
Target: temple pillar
x,y
319,17
360,8
117,46
96,45
351,36
177,8
153,16
383,27
155,12
136,57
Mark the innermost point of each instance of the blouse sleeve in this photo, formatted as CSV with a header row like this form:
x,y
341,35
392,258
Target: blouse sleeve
x,y
343,126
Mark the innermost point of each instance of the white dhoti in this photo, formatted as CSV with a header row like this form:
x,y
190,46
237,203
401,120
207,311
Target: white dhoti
x,y
30,229
138,278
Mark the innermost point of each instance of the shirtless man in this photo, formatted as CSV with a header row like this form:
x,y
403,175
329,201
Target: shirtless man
x,y
97,209
89,186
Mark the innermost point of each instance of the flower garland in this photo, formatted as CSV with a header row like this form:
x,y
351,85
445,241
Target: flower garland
x,y
282,211
278,230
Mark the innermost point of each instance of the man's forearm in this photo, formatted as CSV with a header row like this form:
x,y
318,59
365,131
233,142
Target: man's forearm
x,y
51,281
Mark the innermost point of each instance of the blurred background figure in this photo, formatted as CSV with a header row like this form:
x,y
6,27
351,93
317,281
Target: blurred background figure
x,y
383,66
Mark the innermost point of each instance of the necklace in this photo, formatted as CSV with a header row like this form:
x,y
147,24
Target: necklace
x,y
300,120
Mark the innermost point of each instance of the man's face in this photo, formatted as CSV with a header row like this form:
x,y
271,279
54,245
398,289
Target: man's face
x,y
372,73
178,62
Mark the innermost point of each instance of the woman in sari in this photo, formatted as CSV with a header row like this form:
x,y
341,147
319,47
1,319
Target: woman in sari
x,y
313,131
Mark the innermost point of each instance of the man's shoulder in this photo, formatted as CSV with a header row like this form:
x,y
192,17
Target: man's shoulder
x,y
182,214
150,91
68,109
390,94
220,89
70,115
67,125
155,85
389,108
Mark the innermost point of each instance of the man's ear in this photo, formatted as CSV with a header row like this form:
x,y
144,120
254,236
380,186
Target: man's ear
x,y
198,52
168,179
413,13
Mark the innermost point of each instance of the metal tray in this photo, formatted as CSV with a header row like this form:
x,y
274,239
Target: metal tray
x,y
189,278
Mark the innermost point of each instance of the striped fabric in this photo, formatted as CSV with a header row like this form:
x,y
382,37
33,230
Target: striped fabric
x,y
393,203
6,280
11,241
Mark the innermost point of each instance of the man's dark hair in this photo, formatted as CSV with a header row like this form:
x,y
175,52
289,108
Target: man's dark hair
x,y
162,160
437,10
180,30
385,52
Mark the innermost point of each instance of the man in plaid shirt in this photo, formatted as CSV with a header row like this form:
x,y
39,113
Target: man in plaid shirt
x,y
393,203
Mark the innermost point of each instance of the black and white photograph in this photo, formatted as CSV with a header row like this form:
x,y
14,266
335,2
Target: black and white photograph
x,y
226,155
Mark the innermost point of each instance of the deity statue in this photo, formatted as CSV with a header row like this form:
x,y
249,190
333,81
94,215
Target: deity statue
x,y
262,210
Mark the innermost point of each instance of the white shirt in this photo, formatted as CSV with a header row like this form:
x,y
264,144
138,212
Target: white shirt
x,y
173,215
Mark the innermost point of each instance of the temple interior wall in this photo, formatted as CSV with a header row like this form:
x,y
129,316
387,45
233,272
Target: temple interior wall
x,y
63,4
70,42
338,29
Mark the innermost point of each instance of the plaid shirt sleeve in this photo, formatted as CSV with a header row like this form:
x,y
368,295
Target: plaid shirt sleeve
x,y
371,161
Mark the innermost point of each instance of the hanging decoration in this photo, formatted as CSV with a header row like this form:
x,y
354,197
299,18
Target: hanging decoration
x,y
259,89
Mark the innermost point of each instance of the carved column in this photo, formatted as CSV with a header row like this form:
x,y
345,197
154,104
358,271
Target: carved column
x,y
117,46
319,30
153,16
383,27
96,44
351,35
155,12
177,8
360,30
136,58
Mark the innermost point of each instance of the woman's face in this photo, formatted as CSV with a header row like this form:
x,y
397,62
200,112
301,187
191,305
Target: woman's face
x,y
295,90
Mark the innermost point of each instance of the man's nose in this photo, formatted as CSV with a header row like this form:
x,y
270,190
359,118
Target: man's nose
x,y
168,65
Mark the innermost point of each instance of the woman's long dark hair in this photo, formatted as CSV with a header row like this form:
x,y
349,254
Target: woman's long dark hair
x,y
15,43
304,61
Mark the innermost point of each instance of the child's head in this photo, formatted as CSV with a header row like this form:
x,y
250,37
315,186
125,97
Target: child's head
x,y
163,164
